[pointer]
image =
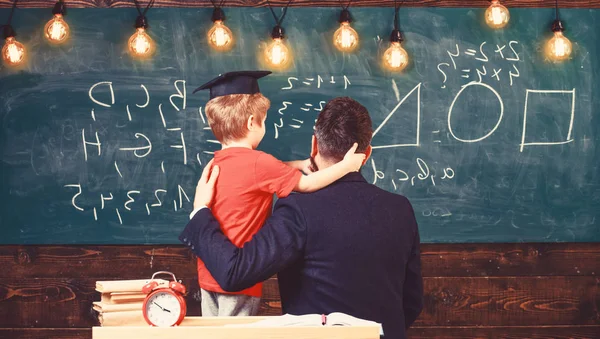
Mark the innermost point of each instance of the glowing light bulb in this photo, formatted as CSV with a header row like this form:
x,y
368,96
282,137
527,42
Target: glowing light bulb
x,y
277,54
13,52
345,38
558,48
395,57
57,30
497,16
141,44
220,36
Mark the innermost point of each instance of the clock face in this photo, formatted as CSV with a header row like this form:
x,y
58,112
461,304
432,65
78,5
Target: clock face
x,y
163,309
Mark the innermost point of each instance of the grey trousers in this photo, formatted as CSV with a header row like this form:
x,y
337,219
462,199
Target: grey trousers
x,y
216,304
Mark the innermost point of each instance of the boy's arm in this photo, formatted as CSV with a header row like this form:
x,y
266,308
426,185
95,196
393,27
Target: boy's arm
x,y
317,180
301,165
274,176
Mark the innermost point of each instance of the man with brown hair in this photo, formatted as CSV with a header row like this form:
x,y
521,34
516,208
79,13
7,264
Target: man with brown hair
x,y
350,247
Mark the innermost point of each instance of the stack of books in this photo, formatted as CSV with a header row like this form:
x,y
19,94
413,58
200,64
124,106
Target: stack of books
x,y
121,302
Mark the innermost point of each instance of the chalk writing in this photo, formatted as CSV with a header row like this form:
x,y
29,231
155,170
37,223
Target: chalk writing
x,y
311,81
482,55
424,174
135,150
85,143
112,93
181,93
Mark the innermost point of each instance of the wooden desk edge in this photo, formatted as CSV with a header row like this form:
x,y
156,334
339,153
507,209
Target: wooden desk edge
x,y
213,327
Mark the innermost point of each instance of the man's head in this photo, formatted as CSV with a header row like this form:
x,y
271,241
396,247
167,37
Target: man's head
x,y
238,117
341,123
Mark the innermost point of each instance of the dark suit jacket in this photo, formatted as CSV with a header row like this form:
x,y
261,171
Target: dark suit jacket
x,y
350,247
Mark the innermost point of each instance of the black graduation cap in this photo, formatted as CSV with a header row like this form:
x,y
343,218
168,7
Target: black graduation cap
x,y
239,82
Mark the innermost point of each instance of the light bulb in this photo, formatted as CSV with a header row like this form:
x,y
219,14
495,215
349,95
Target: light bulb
x,y
345,38
56,30
13,52
395,57
558,48
141,44
497,16
277,54
220,36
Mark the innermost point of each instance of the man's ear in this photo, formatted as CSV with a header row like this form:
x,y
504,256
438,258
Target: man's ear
x,y
314,149
368,152
250,123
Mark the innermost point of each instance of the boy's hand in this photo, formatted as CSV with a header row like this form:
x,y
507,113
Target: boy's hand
x,y
307,167
354,161
205,190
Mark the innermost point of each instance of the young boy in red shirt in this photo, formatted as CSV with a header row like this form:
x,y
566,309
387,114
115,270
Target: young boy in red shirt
x,y
248,178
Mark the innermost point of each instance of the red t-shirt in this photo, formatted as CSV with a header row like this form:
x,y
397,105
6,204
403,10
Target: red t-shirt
x,y
244,198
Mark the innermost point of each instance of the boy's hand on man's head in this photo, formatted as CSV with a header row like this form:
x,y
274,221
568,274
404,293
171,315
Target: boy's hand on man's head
x,y
205,190
352,160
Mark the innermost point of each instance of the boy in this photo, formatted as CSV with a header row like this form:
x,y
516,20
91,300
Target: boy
x,y
248,178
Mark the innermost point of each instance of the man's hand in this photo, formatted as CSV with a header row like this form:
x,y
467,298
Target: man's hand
x,y
205,190
354,161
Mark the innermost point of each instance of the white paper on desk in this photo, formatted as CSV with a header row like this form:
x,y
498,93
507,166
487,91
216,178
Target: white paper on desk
x,y
333,319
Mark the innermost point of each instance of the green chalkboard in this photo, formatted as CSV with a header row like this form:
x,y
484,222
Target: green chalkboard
x,y
489,141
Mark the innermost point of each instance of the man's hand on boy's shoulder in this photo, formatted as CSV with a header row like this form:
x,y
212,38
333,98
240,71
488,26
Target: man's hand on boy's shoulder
x,y
205,190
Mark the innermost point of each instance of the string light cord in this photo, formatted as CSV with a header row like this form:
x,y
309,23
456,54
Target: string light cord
x,y
218,14
396,35
59,8
215,4
7,28
345,7
345,14
396,10
557,25
141,21
279,20
277,32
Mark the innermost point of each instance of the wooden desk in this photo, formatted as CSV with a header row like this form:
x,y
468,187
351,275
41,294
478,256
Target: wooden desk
x,y
215,328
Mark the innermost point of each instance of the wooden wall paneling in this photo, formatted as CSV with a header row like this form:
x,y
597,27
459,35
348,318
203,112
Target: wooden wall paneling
x,y
510,301
106,262
499,301
46,333
449,260
305,3
529,332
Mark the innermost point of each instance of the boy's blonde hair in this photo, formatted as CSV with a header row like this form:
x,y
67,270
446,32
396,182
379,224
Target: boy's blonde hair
x,y
228,115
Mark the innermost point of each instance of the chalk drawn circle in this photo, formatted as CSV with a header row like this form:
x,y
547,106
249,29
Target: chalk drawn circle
x,y
475,83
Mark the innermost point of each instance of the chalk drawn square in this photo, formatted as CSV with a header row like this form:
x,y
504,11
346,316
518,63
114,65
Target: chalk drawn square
x,y
548,116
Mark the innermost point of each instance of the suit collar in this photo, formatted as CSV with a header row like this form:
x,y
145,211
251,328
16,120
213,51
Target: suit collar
x,y
353,177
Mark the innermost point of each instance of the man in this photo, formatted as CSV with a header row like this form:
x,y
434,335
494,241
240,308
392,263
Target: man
x,y
350,247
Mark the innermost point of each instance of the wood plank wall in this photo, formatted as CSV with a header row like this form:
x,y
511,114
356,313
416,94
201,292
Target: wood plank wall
x,y
304,3
471,290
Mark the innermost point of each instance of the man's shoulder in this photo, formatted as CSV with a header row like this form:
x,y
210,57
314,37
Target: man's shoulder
x,y
365,189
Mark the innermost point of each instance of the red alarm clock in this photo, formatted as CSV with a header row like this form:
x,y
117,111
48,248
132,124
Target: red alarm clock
x,y
164,306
